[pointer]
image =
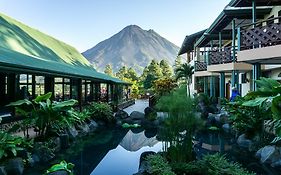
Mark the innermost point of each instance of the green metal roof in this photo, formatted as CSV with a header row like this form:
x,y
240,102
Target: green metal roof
x,y
23,47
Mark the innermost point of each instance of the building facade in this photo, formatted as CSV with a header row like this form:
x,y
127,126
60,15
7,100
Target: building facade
x,y
242,45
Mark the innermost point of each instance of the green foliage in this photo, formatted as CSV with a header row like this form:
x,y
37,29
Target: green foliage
x,y
131,74
185,71
101,111
108,70
164,86
122,72
43,112
62,166
10,144
178,62
247,119
166,69
180,125
210,165
159,165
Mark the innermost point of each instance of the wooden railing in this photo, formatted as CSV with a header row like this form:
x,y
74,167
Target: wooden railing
x,y
221,57
261,36
200,66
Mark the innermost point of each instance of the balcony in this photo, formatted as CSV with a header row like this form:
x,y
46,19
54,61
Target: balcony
x,y
200,66
261,44
220,57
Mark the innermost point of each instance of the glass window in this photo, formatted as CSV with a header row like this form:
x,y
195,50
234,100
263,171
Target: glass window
x,y
39,85
66,88
6,85
25,84
103,91
58,89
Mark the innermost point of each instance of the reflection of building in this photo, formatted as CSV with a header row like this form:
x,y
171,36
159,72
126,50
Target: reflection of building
x,y
42,64
241,45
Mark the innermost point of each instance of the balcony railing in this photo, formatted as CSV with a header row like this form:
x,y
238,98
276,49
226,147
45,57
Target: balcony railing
x,y
200,66
221,57
261,35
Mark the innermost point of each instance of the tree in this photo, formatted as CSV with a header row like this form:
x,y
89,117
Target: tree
x,y
108,70
185,71
178,62
154,69
166,68
144,74
131,74
121,73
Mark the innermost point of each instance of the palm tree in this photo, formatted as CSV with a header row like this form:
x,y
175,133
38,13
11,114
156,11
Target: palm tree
x,y
185,71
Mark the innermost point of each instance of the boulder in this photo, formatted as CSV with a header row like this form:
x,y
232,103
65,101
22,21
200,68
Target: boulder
x,y
121,114
93,125
83,128
2,171
244,142
269,154
44,153
136,115
72,132
226,127
150,113
15,166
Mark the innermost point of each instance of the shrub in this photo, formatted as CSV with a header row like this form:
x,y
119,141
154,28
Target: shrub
x,y
101,112
210,165
159,165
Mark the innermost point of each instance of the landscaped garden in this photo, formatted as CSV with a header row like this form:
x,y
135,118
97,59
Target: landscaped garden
x,y
197,136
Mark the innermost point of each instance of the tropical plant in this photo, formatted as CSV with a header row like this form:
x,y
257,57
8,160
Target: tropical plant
x,y
185,71
10,144
268,96
246,119
62,166
210,165
159,165
179,126
101,111
43,111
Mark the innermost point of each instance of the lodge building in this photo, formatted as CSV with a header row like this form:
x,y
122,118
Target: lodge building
x,y
242,45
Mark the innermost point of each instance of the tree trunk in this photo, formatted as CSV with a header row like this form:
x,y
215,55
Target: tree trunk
x,y
187,87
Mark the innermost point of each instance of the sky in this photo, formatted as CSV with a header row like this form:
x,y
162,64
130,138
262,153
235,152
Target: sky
x,y
85,23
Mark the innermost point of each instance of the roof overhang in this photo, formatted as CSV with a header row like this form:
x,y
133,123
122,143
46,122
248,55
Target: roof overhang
x,y
243,15
189,41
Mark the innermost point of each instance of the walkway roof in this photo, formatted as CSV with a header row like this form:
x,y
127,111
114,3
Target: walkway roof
x,y
25,48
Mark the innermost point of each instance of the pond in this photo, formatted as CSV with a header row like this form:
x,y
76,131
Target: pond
x,y
107,152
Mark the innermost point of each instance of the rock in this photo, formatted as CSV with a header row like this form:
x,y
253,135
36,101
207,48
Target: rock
x,y
83,128
269,154
226,128
121,114
276,164
119,122
244,142
64,141
72,132
61,172
57,143
144,167
150,113
93,125
2,171
35,158
44,153
15,166
135,115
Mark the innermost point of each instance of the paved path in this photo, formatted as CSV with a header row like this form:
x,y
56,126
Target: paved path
x,y
139,106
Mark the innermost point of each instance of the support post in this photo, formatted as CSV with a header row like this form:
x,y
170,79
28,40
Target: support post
x,y
233,40
254,13
212,86
222,85
220,42
256,75
206,85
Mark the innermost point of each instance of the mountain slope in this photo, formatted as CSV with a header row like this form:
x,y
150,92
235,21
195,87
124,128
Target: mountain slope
x,y
133,47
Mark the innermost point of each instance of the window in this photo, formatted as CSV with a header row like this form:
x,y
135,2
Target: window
x,y
39,85
58,89
86,91
66,89
6,85
103,91
74,89
25,82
